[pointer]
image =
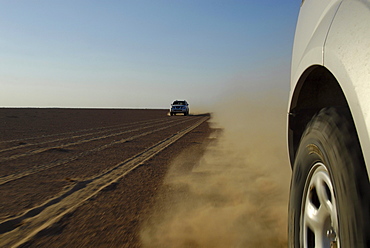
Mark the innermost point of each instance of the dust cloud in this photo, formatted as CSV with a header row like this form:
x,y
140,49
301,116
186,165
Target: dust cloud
x,y
236,194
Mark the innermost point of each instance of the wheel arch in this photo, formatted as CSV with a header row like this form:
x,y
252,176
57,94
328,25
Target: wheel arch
x,y
317,88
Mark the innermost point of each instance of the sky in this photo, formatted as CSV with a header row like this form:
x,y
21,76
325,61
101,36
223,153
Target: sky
x,y
142,53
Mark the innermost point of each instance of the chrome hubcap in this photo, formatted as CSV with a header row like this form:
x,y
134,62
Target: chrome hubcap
x,y
319,221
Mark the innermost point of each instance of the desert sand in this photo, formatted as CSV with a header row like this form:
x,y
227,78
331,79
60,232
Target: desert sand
x,y
87,177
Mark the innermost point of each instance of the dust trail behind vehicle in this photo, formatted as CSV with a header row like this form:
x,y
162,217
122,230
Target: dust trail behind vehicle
x,y
236,195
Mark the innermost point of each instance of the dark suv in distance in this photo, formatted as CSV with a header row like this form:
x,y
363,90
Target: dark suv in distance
x,y
179,107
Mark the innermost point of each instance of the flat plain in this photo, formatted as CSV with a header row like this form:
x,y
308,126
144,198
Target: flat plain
x,y
87,177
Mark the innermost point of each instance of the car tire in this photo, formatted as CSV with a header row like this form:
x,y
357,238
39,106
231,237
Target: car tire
x,y
329,191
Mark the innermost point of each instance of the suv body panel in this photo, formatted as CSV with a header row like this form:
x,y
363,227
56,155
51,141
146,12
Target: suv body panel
x,y
347,56
311,32
336,36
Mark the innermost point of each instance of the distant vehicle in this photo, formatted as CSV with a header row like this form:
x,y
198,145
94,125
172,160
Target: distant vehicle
x,y
329,125
179,107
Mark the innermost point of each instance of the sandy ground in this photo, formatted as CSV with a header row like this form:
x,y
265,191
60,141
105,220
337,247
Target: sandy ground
x,y
140,178
88,178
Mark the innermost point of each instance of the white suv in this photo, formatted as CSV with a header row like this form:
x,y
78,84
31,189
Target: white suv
x,y
329,125
179,107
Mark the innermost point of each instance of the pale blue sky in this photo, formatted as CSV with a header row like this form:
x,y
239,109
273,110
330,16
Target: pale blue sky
x,y
141,53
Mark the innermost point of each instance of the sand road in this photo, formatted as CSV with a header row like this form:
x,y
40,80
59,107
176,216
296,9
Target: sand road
x,y
84,177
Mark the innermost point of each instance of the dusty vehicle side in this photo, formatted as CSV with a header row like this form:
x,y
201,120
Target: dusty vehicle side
x,y
329,125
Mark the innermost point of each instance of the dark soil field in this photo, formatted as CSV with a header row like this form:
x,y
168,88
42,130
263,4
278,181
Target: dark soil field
x,y
87,177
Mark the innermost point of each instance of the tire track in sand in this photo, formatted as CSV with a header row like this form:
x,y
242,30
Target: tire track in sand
x,y
94,131
62,146
79,131
18,231
42,167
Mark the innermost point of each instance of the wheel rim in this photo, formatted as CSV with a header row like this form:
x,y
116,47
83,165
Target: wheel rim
x,y
319,221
